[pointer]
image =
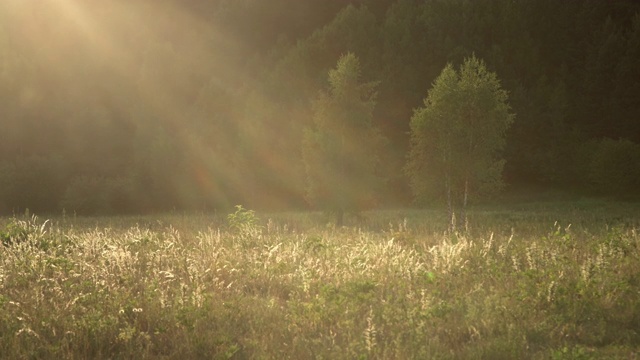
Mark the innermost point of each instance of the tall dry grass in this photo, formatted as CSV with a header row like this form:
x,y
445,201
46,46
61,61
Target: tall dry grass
x,y
393,285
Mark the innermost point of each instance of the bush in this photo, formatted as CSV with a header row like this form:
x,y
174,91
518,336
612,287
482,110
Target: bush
x,y
614,168
243,222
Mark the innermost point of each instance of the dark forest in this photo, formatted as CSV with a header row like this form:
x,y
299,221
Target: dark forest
x,y
136,106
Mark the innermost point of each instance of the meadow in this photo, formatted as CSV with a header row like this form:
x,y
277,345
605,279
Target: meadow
x,y
535,281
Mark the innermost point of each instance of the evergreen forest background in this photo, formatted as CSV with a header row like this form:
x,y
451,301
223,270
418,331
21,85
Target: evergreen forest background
x,y
135,106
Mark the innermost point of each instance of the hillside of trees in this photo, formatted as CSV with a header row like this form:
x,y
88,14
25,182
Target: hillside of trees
x,y
124,106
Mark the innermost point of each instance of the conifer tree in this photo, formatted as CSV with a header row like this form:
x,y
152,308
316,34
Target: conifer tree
x,y
342,151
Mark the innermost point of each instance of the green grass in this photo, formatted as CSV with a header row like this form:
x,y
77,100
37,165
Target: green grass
x,y
536,281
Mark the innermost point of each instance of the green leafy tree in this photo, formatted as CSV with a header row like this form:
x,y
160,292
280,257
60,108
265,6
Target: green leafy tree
x,y
456,138
342,151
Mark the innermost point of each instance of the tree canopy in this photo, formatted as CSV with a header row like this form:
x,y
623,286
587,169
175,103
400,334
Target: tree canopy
x,y
343,150
457,136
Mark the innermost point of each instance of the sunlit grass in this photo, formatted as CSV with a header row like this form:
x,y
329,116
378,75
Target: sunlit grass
x,y
391,285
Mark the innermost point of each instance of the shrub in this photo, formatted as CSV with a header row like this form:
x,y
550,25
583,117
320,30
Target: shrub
x,y
243,222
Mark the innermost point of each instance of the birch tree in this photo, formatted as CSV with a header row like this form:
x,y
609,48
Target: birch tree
x,y
457,137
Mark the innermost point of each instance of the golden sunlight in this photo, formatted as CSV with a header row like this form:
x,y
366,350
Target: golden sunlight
x,y
157,60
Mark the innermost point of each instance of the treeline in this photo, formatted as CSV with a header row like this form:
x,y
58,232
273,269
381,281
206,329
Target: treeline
x,y
128,106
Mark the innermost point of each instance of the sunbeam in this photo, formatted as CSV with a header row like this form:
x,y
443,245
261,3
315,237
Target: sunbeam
x,y
162,67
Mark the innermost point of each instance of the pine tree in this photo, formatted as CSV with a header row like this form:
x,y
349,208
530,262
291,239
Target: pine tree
x,y
342,151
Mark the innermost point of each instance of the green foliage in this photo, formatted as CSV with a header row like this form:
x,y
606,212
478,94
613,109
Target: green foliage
x,y
457,136
242,218
575,353
13,232
27,232
243,222
343,151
